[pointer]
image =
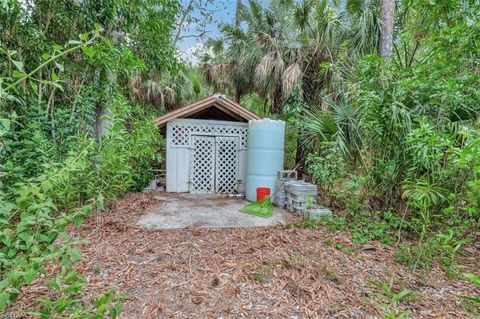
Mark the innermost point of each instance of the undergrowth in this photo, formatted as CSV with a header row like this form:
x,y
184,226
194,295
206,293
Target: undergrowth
x,y
55,171
389,299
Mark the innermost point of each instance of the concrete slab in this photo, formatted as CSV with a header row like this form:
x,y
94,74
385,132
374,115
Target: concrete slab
x,y
204,211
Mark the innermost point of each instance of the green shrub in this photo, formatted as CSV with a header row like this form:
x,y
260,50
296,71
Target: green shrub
x,y
327,169
443,248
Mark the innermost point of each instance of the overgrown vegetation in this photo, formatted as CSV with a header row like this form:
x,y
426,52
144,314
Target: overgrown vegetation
x,y
391,140
73,135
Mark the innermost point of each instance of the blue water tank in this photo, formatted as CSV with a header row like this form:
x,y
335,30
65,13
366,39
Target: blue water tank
x,y
266,140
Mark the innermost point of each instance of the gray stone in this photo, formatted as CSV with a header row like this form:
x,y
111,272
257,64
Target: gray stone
x,y
317,213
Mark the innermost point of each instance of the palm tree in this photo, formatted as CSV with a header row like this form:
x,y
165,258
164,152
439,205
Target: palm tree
x,y
334,38
166,91
260,59
269,51
307,47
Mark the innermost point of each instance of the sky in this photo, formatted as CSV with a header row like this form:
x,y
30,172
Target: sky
x,y
223,12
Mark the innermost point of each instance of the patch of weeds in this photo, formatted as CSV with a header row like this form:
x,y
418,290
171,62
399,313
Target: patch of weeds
x,y
418,255
333,308
296,260
472,303
67,289
328,241
330,274
454,271
405,254
344,248
97,269
259,276
127,296
448,247
270,263
364,226
287,264
336,223
442,247
368,226
390,299
296,290
299,259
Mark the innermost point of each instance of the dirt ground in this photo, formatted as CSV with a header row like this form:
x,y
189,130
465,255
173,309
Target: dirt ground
x,y
270,272
274,272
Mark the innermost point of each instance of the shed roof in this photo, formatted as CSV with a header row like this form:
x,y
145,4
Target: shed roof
x,y
215,105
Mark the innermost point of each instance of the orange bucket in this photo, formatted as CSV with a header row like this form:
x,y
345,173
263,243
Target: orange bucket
x,y
262,193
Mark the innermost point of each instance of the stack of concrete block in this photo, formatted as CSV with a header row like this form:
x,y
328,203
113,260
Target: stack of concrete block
x,y
280,197
300,196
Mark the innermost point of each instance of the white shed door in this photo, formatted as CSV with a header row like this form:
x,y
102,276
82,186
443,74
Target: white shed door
x,y
214,167
226,164
202,172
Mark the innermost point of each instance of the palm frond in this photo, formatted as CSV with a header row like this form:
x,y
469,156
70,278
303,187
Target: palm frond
x,y
264,40
366,30
135,86
154,93
270,68
291,78
170,97
301,13
337,122
255,10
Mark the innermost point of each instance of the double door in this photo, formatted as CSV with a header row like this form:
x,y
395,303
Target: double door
x,y
214,164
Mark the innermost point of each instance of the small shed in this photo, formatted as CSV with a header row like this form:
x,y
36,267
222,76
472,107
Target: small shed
x,y
206,146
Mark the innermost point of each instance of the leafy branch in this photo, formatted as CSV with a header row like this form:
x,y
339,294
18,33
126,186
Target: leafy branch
x,y
54,58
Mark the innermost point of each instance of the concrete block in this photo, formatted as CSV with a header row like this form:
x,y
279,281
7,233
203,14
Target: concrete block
x,y
287,175
295,210
302,198
300,188
317,213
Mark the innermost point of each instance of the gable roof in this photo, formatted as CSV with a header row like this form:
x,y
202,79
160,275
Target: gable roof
x,y
217,101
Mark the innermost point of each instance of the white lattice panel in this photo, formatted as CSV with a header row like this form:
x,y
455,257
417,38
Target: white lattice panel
x,y
202,180
181,130
226,159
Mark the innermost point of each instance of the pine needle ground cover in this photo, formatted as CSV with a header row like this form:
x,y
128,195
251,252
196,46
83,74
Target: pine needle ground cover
x,y
272,272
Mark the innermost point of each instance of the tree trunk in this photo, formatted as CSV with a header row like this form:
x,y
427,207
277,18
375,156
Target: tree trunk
x,y
277,100
387,16
103,116
238,96
300,155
